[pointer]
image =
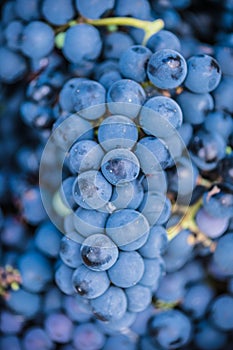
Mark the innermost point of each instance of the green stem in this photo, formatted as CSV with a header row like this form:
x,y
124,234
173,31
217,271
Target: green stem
x,y
149,27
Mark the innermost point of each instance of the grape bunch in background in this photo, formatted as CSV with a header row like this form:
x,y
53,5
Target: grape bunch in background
x,y
116,185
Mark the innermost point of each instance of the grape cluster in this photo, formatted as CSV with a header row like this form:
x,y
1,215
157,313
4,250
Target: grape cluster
x,y
116,175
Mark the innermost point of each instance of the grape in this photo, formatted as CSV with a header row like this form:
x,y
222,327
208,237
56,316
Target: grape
x,y
222,255
27,11
127,228
88,222
221,312
153,272
11,323
58,13
88,337
12,65
166,69
156,243
38,39
164,39
127,96
140,9
138,298
24,303
82,41
70,252
128,269
10,342
99,252
36,338
77,309
35,270
208,337
128,195
120,341
165,118
59,327
203,75
94,9
115,43
117,131
120,166
133,63
111,305
90,284
218,224
171,329
85,155
91,190
63,279
47,239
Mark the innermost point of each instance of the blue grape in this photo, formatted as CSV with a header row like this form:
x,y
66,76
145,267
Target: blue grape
x,y
167,69
115,326
220,203
47,239
153,272
66,192
152,154
90,284
108,78
195,106
24,303
58,13
87,336
203,75
138,298
115,43
99,252
165,117
28,11
70,252
10,323
59,327
127,196
35,270
155,207
179,251
36,338
128,269
170,329
53,300
120,341
10,342
223,254
66,94
221,312
125,97
208,337
207,149
133,63
94,9
63,279
156,243
164,39
38,39
82,42
117,131
12,65
13,33
197,299
218,224
77,309
91,190
166,292
127,228
88,222
140,9
85,155
220,122
111,305
120,166
89,99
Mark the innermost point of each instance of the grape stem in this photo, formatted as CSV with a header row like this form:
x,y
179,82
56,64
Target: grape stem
x,y
149,27
188,223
